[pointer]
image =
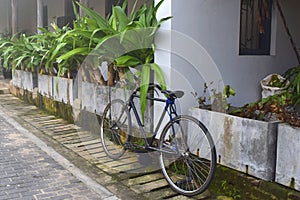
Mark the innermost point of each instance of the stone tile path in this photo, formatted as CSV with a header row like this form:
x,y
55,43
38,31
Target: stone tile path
x,y
28,172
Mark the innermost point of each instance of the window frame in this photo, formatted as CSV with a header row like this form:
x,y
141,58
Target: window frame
x,y
263,39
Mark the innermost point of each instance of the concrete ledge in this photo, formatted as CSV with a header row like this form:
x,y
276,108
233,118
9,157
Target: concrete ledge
x,y
25,80
242,144
246,145
288,156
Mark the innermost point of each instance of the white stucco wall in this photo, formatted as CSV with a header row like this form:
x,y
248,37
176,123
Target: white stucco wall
x,y
98,5
5,15
291,11
56,8
214,26
27,16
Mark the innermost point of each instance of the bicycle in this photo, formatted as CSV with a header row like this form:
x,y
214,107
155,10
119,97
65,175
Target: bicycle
x,y
187,153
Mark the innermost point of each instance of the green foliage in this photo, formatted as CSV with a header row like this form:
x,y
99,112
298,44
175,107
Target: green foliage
x,y
125,41
293,75
230,190
276,82
278,105
220,99
129,41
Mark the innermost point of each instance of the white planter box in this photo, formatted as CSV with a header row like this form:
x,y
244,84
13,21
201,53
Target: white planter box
x,y
288,156
88,96
24,80
242,144
45,85
94,98
102,94
62,90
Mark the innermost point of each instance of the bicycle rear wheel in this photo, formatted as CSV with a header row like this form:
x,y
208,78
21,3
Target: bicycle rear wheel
x,y
115,128
188,155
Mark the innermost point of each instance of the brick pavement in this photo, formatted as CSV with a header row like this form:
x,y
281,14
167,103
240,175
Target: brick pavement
x,y
28,172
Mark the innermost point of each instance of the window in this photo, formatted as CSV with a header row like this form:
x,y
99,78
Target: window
x,y
69,14
255,27
111,3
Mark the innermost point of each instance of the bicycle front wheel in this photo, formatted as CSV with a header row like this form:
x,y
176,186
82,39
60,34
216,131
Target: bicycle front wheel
x,y
115,128
188,155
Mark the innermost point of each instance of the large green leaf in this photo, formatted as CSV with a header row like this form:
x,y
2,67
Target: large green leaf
x,y
102,23
127,61
78,51
56,50
121,19
159,75
145,79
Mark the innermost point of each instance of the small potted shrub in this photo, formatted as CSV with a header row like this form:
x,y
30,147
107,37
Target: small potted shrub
x,y
273,84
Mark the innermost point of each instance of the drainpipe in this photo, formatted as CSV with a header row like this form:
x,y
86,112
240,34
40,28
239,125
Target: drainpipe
x,y
39,15
14,17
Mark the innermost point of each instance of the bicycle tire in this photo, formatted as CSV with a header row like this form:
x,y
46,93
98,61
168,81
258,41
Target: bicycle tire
x,y
115,128
188,161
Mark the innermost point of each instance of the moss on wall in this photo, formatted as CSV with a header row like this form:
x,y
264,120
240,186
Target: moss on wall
x,y
53,107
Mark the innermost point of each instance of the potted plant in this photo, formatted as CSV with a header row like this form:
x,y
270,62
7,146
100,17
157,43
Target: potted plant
x,y
20,54
244,144
288,163
118,41
273,84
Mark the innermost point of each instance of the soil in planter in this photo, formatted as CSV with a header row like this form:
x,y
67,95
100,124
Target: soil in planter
x,y
274,108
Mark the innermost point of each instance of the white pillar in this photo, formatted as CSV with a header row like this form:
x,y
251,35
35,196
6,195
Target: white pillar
x,y
39,14
163,55
163,39
14,16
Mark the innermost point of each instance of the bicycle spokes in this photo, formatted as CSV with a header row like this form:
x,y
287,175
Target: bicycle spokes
x,y
191,170
115,129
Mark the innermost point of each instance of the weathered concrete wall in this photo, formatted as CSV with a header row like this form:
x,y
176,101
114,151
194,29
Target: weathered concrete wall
x,y
63,90
25,80
242,144
88,96
288,156
45,85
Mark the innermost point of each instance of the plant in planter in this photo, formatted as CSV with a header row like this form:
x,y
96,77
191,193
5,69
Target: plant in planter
x,y
5,42
21,54
124,42
273,108
293,75
273,84
219,99
261,147
281,105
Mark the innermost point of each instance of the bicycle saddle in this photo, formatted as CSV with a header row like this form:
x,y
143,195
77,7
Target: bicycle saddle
x,y
173,94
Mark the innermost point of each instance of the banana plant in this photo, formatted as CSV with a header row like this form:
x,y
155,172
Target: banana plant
x,y
130,43
125,41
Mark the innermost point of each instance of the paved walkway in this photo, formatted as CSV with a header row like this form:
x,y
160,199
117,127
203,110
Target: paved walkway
x,y
27,171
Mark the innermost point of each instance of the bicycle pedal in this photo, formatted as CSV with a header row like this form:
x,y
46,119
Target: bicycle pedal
x,y
170,145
